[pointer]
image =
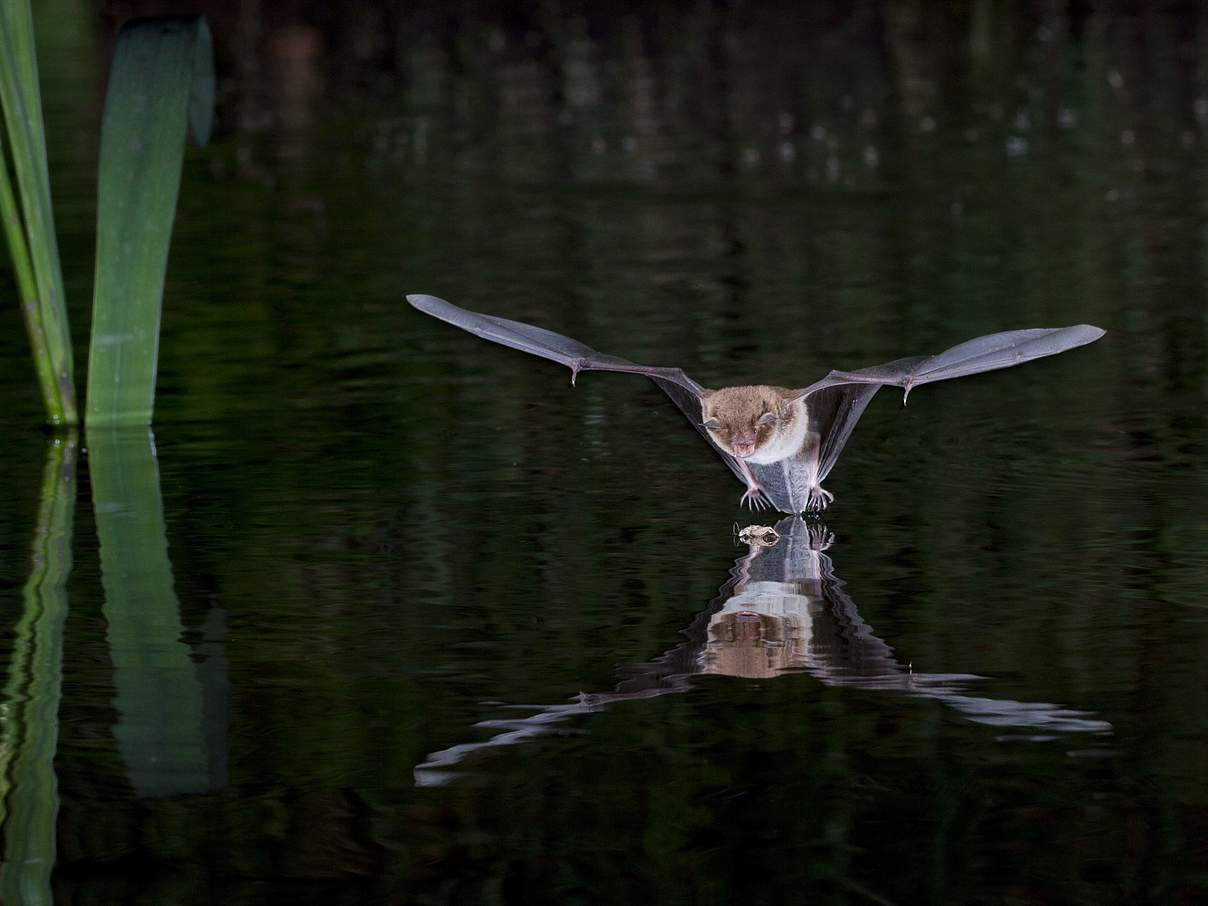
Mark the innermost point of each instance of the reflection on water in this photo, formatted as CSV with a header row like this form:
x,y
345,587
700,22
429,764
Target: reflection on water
x,y
783,610
171,742
32,693
170,711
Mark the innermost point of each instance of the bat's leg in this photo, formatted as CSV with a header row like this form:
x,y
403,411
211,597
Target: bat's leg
x,y
754,497
820,499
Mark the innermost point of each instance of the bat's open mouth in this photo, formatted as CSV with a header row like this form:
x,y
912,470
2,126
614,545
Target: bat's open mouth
x,y
742,451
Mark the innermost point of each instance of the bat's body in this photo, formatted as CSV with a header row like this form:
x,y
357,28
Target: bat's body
x,y
781,442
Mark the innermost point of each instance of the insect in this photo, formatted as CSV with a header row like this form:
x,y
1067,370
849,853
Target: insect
x,y
758,535
780,442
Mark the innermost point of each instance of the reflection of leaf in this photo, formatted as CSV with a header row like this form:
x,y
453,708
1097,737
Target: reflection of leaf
x,y
160,727
162,80
29,730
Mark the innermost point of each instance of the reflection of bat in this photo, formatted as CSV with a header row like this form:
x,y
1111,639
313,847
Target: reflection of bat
x,y
782,610
781,443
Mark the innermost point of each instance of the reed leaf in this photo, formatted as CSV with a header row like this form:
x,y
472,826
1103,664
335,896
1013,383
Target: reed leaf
x,y
162,79
27,290
28,217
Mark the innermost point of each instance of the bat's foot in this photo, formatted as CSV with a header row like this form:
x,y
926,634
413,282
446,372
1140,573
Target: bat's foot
x,y
820,499
755,498
820,539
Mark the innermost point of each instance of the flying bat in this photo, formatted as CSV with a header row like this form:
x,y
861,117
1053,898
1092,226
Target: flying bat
x,y
780,442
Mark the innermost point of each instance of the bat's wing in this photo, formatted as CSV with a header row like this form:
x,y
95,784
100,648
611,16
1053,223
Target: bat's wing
x,y
838,400
545,343
988,353
684,392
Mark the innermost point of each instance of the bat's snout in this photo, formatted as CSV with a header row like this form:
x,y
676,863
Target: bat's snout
x,y
744,445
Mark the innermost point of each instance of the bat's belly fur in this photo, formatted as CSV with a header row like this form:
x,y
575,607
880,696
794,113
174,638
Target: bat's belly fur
x,y
789,439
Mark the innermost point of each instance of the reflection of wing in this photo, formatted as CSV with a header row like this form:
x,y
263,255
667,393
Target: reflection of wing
x,y
838,400
844,651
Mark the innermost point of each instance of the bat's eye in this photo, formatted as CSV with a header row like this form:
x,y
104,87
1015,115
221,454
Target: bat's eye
x,y
713,424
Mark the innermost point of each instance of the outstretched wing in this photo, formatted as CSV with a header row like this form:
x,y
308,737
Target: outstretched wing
x,y
684,392
545,343
838,400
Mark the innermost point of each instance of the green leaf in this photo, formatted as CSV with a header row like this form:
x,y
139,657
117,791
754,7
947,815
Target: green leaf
x,y
28,218
162,79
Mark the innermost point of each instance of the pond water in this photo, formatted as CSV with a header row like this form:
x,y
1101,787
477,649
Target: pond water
x,y
385,613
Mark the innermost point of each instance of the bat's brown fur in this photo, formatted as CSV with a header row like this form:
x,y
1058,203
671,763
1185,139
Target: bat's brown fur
x,y
760,424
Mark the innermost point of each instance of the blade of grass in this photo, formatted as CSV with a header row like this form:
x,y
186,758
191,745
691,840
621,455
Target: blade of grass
x,y
162,76
25,133
29,732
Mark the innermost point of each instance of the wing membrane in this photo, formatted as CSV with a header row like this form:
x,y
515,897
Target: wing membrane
x,y
683,391
545,343
988,353
839,399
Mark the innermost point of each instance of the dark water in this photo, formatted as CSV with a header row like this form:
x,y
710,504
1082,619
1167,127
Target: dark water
x,y
394,615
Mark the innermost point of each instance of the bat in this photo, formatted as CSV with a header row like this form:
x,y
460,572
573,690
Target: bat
x,y
780,442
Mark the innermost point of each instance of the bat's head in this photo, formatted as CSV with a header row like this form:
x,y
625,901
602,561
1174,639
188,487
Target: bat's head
x,y
748,422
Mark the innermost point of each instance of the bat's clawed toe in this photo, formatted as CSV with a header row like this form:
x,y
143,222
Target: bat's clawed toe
x,y
755,499
820,498
820,539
